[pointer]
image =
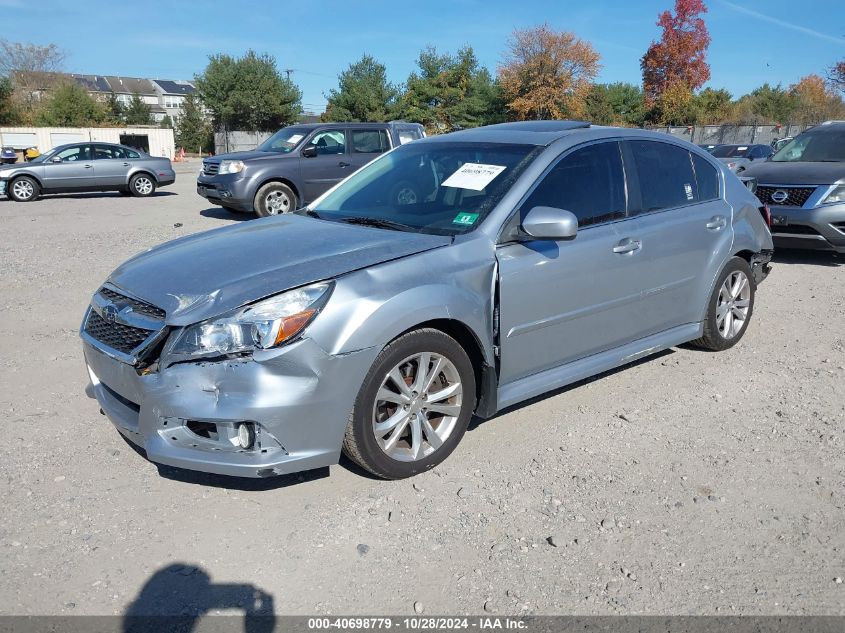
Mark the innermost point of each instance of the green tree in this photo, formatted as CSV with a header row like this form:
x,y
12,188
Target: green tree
x,y
710,107
114,110
166,122
137,112
9,114
451,92
363,93
248,93
193,131
615,104
70,105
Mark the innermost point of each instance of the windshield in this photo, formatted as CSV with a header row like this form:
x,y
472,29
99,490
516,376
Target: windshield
x,y
821,145
45,156
284,141
731,151
440,188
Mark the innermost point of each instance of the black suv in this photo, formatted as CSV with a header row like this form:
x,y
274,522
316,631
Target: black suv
x,y
298,164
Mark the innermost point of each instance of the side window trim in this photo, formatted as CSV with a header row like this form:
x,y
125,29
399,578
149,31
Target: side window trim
x,y
721,191
507,229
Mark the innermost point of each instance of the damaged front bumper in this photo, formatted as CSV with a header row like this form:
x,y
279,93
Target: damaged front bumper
x,y
297,398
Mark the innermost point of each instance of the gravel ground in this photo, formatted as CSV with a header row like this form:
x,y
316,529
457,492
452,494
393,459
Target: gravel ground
x,y
689,483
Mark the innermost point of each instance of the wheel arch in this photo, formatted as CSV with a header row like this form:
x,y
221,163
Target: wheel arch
x,y
279,179
29,175
139,171
485,375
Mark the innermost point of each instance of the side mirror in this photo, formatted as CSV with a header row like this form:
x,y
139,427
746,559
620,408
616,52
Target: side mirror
x,y
549,223
55,159
309,152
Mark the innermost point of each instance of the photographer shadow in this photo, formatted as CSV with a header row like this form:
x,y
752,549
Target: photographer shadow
x,y
179,596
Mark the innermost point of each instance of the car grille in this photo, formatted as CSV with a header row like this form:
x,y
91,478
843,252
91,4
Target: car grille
x,y
138,307
796,197
210,169
123,338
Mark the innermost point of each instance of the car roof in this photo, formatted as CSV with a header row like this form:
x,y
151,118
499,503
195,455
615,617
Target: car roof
x,y
339,125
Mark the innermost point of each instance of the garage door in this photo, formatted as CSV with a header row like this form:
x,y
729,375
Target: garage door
x,y
18,140
61,138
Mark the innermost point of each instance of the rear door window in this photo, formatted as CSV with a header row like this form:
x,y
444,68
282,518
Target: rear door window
x,y
406,135
102,152
369,141
589,182
665,175
706,179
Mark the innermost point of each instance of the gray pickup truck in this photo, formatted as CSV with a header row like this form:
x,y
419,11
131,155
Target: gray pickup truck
x,y
299,163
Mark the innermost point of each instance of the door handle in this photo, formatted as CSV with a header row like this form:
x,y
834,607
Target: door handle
x,y
88,166
717,223
343,164
627,245
126,164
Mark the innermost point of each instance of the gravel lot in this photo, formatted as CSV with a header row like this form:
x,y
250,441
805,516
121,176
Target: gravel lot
x,y
689,483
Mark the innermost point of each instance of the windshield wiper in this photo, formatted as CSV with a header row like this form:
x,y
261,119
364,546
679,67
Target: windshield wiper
x,y
309,212
381,224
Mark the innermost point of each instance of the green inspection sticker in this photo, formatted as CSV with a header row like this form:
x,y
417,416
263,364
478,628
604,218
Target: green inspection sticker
x,y
465,219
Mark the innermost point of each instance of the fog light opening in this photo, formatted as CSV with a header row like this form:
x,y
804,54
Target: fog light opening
x,y
246,435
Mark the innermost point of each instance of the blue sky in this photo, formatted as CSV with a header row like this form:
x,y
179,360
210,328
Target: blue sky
x,y
754,41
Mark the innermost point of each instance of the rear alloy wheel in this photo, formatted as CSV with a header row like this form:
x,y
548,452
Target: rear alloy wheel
x,y
274,198
730,308
414,406
24,189
142,185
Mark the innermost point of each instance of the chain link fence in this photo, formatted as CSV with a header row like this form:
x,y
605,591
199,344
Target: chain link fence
x,y
732,134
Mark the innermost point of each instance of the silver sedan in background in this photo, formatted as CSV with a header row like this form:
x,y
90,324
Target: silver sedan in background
x,y
89,166
738,158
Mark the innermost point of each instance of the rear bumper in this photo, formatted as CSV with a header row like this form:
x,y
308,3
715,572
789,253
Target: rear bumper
x,y
822,228
298,398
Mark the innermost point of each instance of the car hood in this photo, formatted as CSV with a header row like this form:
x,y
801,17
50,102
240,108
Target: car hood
x,y
797,173
251,155
205,275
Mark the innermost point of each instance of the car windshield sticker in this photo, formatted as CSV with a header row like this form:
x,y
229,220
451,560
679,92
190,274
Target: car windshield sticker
x,y
688,189
465,219
473,176
741,149
293,140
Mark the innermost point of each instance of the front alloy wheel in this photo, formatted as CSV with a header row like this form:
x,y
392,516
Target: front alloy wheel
x,y
23,189
417,406
413,407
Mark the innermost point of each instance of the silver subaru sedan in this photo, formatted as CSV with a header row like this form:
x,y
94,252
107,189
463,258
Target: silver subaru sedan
x,y
525,256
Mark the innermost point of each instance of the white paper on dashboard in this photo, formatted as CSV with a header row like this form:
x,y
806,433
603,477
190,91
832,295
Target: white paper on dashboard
x,y
473,176
295,138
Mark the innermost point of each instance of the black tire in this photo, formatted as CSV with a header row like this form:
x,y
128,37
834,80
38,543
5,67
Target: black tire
x,y
360,443
712,338
274,198
142,185
23,184
404,192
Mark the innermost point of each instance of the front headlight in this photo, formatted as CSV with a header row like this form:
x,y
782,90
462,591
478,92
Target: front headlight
x,y
837,195
262,325
231,167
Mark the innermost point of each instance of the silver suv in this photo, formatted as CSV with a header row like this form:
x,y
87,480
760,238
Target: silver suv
x,y
804,186
535,255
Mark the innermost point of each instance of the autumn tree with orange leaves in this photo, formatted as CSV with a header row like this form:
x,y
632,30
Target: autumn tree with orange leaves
x,y
676,66
547,74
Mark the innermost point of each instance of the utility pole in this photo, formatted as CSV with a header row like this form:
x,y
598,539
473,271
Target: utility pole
x,y
288,71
